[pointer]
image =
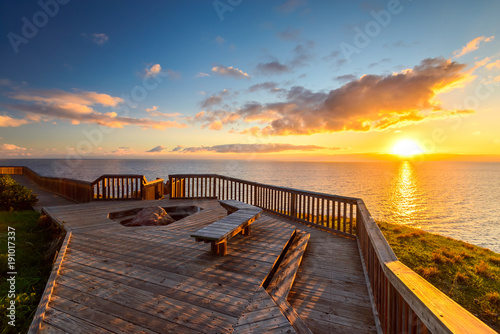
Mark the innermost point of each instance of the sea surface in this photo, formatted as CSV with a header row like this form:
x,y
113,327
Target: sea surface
x,y
456,199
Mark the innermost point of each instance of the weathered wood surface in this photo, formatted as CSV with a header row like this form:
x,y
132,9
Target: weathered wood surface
x,y
329,292
45,197
240,216
156,279
262,315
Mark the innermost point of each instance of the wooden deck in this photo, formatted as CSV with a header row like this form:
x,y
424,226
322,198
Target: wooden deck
x,y
157,279
45,198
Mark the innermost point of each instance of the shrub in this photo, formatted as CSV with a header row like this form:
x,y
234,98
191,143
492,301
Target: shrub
x,y
461,278
13,196
427,272
493,298
482,269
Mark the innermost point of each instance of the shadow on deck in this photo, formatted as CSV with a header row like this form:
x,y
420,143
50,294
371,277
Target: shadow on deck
x,y
157,279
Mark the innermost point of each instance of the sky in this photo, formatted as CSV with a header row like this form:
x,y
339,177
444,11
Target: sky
x,y
287,79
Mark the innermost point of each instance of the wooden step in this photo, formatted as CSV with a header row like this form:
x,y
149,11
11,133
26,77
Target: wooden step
x,y
262,315
282,280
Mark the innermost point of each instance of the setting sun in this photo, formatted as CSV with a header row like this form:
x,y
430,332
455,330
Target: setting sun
x,y
406,148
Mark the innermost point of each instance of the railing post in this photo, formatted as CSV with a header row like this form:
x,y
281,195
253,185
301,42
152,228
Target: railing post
x,y
293,205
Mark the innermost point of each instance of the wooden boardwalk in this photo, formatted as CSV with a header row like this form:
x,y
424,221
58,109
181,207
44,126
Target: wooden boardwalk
x,y
45,198
157,279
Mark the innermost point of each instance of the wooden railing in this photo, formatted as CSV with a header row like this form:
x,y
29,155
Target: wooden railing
x,y
152,189
117,187
106,187
334,213
405,302
76,190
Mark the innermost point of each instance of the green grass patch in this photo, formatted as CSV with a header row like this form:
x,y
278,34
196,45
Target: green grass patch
x,y
36,243
468,274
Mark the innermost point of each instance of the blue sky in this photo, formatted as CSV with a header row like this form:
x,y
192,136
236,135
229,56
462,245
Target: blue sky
x,y
291,79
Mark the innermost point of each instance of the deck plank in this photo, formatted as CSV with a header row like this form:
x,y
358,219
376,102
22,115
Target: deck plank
x,y
157,279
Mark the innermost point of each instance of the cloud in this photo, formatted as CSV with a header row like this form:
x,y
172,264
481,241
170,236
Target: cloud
x,y
215,120
57,96
158,148
273,67
346,77
472,46
76,107
219,40
155,113
270,86
372,102
213,100
153,71
10,150
6,82
123,150
495,64
100,38
289,34
301,54
252,148
301,57
385,60
202,75
7,121
230,72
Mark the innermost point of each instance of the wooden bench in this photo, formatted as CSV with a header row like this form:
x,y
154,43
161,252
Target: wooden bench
x,y
240,216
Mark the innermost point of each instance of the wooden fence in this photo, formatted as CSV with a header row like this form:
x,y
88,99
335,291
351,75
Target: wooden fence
x,y
76,190
405,302
334,213
106,187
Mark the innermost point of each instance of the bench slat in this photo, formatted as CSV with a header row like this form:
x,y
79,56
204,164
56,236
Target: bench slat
x,y
240,216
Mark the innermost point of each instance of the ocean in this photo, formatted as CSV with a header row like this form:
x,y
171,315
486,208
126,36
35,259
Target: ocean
x,y
460,200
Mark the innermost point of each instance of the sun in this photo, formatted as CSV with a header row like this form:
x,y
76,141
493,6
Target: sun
x,y
406,148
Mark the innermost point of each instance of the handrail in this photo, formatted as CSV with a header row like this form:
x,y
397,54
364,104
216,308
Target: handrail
x,y
405,302
330,212
108,186
76,190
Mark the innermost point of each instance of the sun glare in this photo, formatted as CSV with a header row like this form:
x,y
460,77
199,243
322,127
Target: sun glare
x,y
406,148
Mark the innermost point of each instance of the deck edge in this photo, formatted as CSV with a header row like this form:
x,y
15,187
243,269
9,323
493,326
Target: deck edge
x,y
49,287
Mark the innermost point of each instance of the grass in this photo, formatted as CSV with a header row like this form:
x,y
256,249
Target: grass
x,y
468,274
36,242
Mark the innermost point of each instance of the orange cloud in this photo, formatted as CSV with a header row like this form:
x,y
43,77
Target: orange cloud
x,y
7,121
249,148
59,96
153,71
77,108
230,72
472,46
372,102
495,64
10,150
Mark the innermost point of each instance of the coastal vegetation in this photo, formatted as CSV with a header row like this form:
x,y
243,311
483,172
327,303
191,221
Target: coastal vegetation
x,y
13,196
31,242
468,274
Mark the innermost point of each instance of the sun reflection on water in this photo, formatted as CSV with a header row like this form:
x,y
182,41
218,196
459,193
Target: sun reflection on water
x,y
406,196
